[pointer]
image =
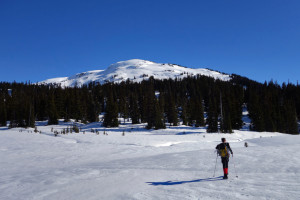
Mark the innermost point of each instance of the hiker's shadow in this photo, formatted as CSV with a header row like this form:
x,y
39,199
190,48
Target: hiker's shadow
x,y
182,182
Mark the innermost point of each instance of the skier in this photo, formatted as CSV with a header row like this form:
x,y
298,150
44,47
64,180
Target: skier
x,y
223,150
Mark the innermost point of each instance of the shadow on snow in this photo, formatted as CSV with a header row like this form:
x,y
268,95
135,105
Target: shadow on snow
x,y
182,182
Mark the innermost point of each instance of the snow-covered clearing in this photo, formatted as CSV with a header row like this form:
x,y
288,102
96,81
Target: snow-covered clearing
x,y
176,163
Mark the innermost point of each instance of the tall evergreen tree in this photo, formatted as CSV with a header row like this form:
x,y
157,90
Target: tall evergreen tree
x,y
172,114
225,125
52,112
212,116
30,122
149,101
3,113
92,112
134,110
111,113
199,112
256,113
123,107
291,119
158,116
225,118
183,114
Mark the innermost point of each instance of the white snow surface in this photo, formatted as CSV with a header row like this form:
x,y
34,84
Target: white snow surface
x,y
175,163
135,70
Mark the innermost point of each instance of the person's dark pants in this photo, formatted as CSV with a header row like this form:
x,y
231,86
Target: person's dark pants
x,y
225,161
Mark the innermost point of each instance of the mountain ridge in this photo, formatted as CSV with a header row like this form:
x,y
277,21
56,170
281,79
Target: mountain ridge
x,y
136,70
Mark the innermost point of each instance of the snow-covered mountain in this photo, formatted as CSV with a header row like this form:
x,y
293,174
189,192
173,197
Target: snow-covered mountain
x,y
135,70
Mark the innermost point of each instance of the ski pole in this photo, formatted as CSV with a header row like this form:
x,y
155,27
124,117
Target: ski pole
x,y
234,167
215,165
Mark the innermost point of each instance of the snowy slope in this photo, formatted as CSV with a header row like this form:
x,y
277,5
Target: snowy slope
x,y
135,70
176,163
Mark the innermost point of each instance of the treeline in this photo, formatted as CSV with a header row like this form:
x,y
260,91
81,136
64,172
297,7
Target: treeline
x,y
193,101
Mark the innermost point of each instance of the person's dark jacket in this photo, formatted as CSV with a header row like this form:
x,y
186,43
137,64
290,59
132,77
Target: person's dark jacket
x,y
222,146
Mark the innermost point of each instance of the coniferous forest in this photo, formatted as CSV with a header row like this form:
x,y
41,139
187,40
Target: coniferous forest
x,y
193,101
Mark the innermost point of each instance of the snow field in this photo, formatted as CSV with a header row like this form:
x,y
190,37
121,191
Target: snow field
x,y
175,163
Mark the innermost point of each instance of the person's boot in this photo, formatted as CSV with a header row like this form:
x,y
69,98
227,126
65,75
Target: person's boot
x,y
225,176
225,173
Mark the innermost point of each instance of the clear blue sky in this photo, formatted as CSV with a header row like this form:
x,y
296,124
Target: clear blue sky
x,y
46,39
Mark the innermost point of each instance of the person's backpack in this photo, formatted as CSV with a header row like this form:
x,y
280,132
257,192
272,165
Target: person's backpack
x,y
223,152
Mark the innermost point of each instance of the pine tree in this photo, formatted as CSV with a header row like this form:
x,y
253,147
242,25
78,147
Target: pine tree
x,y
183,114
199,113
150,100
111,113
52,112
134,110
159,122
172,114
255,113
3,113
31,120
226,110
212,117
92,111
226,123
154,115
291,119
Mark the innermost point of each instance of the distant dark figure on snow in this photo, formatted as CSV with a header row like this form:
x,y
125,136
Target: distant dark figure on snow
x,y
223,150
246,144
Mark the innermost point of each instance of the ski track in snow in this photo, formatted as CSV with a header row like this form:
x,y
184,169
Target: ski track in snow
x,y
157,164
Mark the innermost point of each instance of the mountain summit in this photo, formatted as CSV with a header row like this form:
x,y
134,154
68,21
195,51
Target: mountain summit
x,y
135,70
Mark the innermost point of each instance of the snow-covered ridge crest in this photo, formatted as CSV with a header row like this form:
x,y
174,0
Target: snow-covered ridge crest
x,y
135,70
